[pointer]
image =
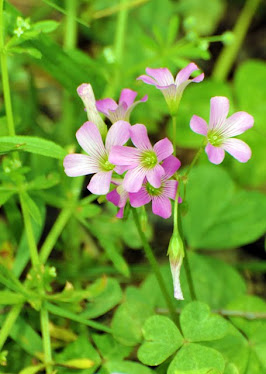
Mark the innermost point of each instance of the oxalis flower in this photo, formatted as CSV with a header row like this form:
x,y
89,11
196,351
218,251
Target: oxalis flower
x,y
123,109
142,161
96,161
220,131
160,197
176,255
171,88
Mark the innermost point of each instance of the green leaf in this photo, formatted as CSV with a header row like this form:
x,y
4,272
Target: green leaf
x,y
30,51
7,147
219,216
162,339
5,196
248,78
45,26
32,369
198,324
35,145
110,349
8,279
126,367
105,301
197,359
32,208
128,320
75,352
10,298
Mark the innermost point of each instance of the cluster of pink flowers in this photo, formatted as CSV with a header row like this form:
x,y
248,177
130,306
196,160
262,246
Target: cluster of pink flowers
x,y
143,173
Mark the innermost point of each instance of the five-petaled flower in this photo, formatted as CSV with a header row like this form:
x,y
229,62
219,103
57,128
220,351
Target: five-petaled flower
x,y
161,205
123,109
221,129
142,161
171,88
96,161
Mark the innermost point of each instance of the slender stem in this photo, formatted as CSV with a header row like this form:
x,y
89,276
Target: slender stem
x,y
46,338
151,258
29,232
229,53
195,159
70,37
54,233
8,323
174,133
5,79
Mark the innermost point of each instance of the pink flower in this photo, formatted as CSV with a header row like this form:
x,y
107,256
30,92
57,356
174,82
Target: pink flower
x,y
143,161
86,94
118,197
159,197
96,161
123,109
172,89
221,129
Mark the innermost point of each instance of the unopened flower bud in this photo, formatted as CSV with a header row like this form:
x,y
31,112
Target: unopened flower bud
x,y
176,254
86,94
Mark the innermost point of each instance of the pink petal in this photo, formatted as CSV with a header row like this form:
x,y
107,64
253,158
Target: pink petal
x,y
199,125
118,114
120,155
139,137
215,154
113,197
219,111
185,73
161,206
236,124
171,164
139,198
170,188
133,179
105,105
100,183
238,149
154,176
146,79
76,165
198,79
120,169
90,140
127,96
162,75
163,149
118,134
120,213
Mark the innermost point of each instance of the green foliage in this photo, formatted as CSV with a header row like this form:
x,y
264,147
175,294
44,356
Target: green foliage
x,y
162,339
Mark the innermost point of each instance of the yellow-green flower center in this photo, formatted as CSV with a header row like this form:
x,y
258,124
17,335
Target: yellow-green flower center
x,y
149,159
152,191
106,165
214,138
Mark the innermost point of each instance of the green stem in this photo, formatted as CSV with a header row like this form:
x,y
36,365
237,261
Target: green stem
x,y
29,232
70,37
54,233
152,260
5,79
229,53
8,323
174,133
46,339
195,159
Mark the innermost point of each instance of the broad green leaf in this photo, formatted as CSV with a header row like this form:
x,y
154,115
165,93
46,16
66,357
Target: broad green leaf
x,y
45,26
126,367
35,145
110,349
195,358
75,352
255,329
162,339
198,324
234,347
10,298
231,369
251,97
104,301
128,321
220,216
196,100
